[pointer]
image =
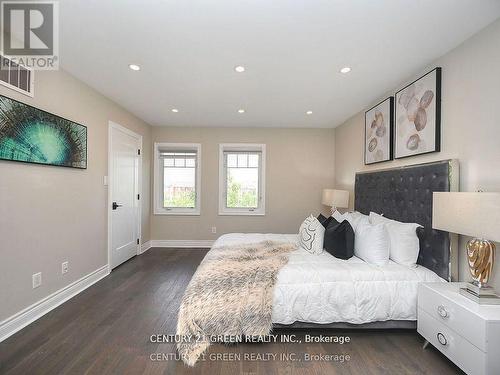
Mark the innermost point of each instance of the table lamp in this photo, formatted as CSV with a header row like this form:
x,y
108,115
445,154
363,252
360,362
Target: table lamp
x,y
476,215
335,199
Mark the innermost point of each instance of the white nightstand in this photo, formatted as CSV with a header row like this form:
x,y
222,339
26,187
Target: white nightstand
x,y
465,332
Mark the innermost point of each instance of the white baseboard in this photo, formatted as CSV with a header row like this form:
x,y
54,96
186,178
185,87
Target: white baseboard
x,y
182,243
27,316
145,246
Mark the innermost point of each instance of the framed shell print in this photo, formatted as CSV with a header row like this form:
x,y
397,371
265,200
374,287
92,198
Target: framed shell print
x,y
418,116
378,132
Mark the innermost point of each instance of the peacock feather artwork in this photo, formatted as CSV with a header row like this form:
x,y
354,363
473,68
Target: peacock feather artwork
x,y
28,134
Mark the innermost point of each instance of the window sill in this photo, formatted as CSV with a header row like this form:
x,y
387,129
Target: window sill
x,y
241,213
176,213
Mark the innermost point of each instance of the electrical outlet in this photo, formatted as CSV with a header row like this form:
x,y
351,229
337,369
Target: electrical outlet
x,y
214,230
37,280
64,267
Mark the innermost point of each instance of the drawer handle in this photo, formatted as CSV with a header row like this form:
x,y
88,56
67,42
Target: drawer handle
x,y
442,311
442,339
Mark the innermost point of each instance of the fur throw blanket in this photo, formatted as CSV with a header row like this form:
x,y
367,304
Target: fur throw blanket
x,y
231,293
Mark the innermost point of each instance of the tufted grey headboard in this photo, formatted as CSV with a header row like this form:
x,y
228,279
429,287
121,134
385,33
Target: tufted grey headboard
x,y
405,194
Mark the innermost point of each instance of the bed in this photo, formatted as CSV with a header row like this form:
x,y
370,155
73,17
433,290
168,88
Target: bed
x,y
249,284
323,291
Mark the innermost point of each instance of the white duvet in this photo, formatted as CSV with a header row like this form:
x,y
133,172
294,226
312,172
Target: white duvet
x,y
323,289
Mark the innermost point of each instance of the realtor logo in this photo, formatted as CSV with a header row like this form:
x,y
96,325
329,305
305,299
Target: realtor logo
x,y
30,33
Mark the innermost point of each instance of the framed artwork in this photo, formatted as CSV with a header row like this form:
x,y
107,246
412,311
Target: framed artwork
x,y
30,135
379,122
418,116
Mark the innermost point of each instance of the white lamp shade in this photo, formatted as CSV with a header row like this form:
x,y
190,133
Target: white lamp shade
x,y
335,198
471,214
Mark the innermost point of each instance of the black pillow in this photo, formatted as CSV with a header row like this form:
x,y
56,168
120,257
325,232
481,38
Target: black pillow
x,y
324,220
339,239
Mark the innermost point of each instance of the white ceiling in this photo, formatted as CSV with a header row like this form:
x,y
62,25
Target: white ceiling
x,y
292,51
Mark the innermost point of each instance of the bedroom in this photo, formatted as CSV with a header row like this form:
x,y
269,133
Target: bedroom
x,y
134,150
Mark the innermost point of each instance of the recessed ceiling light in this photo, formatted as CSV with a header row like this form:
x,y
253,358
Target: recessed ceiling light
x,y
134,67
175,110
239,68
345,70
309,112
241,110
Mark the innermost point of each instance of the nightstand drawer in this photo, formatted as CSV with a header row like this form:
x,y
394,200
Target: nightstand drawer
x,y
456,317
455,347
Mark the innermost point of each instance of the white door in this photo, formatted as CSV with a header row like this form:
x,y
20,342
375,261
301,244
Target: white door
x,y
123,194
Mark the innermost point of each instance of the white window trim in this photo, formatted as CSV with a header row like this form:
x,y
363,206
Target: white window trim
x,y
242,147
157,181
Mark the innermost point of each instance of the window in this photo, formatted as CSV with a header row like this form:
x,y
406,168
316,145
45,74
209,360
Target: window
x,y
242,179
177,179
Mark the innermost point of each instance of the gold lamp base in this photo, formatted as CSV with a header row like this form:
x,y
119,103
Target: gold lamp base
x,y
481,257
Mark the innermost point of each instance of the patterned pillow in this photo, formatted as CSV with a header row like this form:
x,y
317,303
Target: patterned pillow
x,y
311,235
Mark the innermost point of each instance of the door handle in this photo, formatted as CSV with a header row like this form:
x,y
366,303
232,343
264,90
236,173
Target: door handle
x,y
116,205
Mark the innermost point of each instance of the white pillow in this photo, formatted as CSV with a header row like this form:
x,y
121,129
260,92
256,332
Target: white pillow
x,y
371,243
338,216
311,235
404,244
354,218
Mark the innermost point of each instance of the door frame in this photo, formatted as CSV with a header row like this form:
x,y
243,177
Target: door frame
x,y
113,125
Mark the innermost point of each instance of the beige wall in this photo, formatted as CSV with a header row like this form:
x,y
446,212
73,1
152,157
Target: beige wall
x,y
300,163
470,123
51,214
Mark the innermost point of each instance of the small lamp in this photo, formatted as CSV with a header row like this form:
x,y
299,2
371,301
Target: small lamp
x,y
335,198
476,215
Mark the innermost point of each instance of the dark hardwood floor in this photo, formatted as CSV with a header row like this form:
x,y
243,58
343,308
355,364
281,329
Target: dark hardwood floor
x,y
107,328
